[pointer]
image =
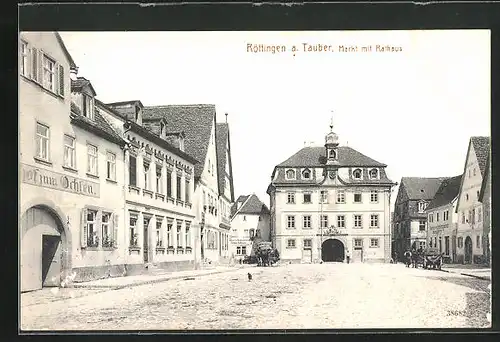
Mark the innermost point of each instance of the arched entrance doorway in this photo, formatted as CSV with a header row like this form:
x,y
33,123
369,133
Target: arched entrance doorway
x,y
45,248
332,250
468,250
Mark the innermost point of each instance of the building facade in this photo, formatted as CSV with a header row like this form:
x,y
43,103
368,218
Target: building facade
x,y
210,201
250,221
159,191
410,219
71,165
485,199
442,219
470,248
329,201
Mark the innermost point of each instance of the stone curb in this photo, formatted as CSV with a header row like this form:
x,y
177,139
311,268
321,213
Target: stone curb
x,y
468,275
152,281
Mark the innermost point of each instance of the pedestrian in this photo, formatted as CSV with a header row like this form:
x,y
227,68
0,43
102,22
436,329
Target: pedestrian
x,y
348,256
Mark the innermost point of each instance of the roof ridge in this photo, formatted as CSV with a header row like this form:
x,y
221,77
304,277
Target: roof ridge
x,y
182,105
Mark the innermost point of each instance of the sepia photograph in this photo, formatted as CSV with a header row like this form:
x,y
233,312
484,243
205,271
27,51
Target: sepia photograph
x,y
232,180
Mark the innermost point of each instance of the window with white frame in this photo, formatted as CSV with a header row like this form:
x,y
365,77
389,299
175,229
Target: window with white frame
x,y
91,228
133,231
421,206
106,233
374,242
324,221
49,73
111,166
92,159
437,216
357,197
42,141
373,174
88,106
463,217
307,221
479,215
179,239
460,242
340,196
244,250
170,239
291,243
358,221
23,68
290,222
188,234
473,216
341,221
324,196
69,152
290,197
358,242
290,174
307,198
421,225
169,186
146,175
159,178
374,221
445,215
306,174
159,238
178,188
374,196
356,174
132,170
421,244
431,217
478,241
307,243
187,191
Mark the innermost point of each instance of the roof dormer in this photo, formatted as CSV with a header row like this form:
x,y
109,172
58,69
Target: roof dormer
x,y
131,110
83,95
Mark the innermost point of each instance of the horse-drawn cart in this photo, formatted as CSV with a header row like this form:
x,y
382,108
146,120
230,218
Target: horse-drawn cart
x,y
432,259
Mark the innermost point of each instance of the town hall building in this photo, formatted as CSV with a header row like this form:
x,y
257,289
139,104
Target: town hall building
x,y
329,202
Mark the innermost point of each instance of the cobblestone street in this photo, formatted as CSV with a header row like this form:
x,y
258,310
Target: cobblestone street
x,y
326,296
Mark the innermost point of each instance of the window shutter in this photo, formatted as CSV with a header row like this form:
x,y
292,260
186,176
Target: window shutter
x,y
34,64
61,80
40,67
115,230
83,228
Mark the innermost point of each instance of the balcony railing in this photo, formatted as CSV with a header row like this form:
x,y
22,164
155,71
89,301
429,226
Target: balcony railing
x,y
170,200
147,193
159,196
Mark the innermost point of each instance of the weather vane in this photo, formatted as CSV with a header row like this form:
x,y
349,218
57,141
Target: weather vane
x,y
331,122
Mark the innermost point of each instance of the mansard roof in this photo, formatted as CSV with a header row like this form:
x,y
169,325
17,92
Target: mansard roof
x,y
194,120
316,156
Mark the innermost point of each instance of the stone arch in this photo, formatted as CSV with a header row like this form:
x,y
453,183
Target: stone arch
x,y
62,225
333,250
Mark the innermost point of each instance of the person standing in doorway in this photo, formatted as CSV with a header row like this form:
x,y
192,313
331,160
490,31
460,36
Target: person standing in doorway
x,y
347,255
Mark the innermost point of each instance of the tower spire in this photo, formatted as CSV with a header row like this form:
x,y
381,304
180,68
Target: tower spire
x,y
331,122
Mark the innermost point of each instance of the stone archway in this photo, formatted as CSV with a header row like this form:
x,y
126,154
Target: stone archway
x,y
332,250
45,246
468,250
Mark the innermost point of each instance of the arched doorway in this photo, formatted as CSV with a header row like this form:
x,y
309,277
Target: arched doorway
x,y
468,250
45,248
332,250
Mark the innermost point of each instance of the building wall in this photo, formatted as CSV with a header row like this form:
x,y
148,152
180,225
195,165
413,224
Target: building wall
x,y
487,220
332,210
470,227
442,229
241,224
49,184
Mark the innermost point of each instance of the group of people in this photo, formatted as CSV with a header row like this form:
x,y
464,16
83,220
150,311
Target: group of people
x,y
412,256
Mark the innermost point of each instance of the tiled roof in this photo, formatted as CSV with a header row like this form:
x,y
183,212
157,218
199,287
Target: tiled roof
x,y
486,180
316,156
99,125
65,50
195,121
448,190
222,135
419,188
482,149
81,82
253,205
234,208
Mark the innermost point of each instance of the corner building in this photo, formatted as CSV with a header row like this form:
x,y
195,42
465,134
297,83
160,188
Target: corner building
x,y
327,201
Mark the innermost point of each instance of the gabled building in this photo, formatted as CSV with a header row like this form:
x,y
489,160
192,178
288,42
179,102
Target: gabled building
x,y
158,192
470,248
71,171
442,219
485,199
197,125
250,220
410,219
328,200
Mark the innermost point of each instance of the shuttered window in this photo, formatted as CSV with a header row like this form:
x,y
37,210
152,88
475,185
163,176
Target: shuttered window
x,y
132,171
178,187
169,183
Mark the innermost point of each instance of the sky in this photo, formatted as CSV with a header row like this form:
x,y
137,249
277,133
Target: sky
x,y
413,108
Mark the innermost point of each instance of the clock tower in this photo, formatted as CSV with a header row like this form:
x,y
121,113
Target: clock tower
x,y
331,146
